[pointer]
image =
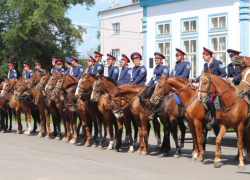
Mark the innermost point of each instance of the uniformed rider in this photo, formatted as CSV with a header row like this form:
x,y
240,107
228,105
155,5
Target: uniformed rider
x,y
160,69
113,71
125,75
12,74
54,58
91,63
38,65
217,69
98,67
233,72
27,72
77,68
59,65
182,67
139,72
68,65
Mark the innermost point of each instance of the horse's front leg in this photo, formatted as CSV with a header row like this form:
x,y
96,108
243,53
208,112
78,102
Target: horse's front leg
x,y
47,118
119,134
183,131
157,129
240,130
198,129
174,130
194,137
73,119
223,130
145,133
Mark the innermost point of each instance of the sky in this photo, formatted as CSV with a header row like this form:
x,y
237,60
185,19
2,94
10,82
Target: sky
x,y
81,16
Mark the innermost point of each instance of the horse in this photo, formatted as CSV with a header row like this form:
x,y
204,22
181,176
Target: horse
x,y
127,95
56,118
241,61
187,93
39,102
17,106
63,81
87,109
102,86
235,109
169,113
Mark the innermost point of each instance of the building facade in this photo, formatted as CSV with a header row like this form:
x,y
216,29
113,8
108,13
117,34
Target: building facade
x,y
121,29
192,24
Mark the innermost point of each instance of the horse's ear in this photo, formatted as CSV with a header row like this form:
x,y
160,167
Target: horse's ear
x,y
208,72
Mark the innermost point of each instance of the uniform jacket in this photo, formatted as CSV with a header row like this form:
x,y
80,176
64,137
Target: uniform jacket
x,y
235,73
113,72
125,75
158,72
12,74
98,68
181,69
139,75
77,71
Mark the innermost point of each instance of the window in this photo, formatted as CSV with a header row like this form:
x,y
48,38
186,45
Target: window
x,y
163,29
116,28
190,47
164,48
189,25
218,22
115,53
218,46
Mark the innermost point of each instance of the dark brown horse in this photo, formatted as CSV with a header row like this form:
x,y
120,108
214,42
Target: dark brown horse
x,y
102,86
236,111
127,95
87,109
169,113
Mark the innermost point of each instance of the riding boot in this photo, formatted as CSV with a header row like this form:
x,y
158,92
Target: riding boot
x,y
212,110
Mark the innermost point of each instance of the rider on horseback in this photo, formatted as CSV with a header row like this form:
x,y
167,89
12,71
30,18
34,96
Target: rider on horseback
x,y
59,65
91,63
27,72
54,58
113,71
12,74
98,67
125,74
217,69
233,72
77,68
69,66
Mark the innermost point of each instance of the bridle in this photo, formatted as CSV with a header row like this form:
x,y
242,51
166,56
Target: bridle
x,y
32,83
7,90
100,89
42,86
58,89
52,85
20,91
242,63
245,77
84,86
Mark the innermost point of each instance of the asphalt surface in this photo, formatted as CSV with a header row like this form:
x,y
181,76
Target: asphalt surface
x,y
28,157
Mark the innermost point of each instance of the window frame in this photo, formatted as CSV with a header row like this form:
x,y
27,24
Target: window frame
x,y
197,55
189,19
226,43
217,16
161,23
157,50
113,29
112,50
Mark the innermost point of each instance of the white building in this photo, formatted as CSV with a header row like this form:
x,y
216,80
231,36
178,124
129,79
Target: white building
x,y
121,29
192,24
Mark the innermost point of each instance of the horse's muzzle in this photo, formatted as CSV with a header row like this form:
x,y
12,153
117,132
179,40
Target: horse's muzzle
x,y
154,101
240,94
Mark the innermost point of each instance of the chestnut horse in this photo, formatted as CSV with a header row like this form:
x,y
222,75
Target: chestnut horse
x,y
241,61
102,86
63,81
88,109
168,112
187,93
24,104
39,101
236,111
56,118
127,95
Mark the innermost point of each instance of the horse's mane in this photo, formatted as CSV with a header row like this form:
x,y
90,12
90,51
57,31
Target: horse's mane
x,y
72,77
111,80
120,89
182,80
147,93
71,85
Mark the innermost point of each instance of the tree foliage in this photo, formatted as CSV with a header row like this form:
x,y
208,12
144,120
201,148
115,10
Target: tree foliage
x,y
37,29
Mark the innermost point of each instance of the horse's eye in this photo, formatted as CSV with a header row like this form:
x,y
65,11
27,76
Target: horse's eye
x,y
205,83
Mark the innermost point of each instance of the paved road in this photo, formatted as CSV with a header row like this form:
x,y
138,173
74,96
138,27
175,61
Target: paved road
x,y
33,158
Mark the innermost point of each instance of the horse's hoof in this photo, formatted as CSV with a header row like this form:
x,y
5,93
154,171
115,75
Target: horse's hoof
x,y
18,132
66,140
57,138
9,130
47,137
27,134
117,150
72,141
3,131
165,154
144,153
217,163
199,160
138,152
241,167
176,156
109,148
86,145
104,139
193,159
100,147
39,135
130,151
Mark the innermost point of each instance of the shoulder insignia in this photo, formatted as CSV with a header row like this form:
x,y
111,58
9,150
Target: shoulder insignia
x,y
99,67
143,70
116,70
129,71
165,70
221,66
81,70
188,66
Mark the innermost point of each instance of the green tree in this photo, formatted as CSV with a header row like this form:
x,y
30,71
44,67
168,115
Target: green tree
x,y
98,37
37,29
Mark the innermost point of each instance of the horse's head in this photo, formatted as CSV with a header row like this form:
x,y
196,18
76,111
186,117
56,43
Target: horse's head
x,y
43,81
21,86
35,78
69,98
8,85
206,86
52,82
116,104
160,91
243,88
84,85
240,61
98,88
60,84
